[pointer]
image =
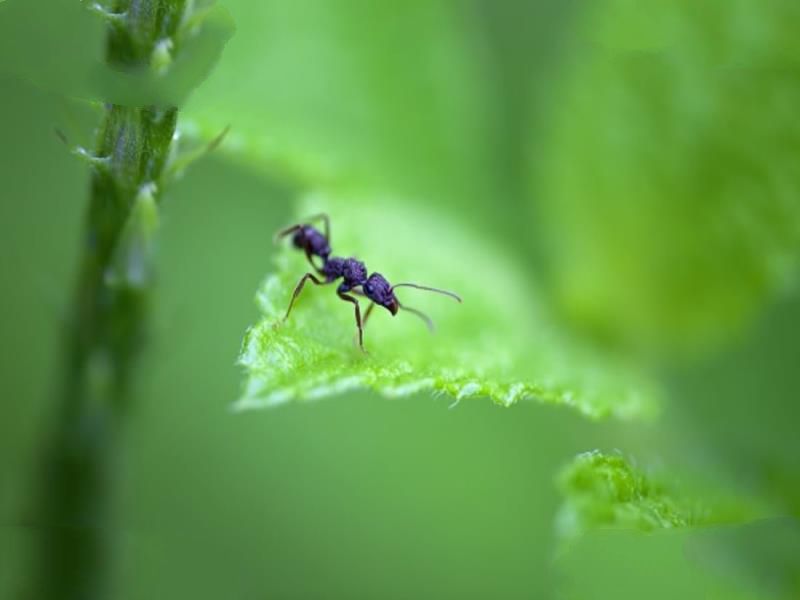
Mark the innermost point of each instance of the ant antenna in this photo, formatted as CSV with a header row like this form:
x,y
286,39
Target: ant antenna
x,y
421,315
284,232
428,289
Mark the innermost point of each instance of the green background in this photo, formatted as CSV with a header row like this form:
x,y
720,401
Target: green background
x,y
504,114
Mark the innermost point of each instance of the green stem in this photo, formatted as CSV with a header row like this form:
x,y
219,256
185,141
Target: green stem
x,y
109,316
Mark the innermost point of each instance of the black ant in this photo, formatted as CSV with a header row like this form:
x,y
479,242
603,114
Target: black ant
x,y
375,287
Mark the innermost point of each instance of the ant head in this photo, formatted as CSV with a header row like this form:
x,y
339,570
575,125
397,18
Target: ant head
x,y
377,289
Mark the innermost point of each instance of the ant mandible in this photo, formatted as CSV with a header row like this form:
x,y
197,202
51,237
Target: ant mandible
x,y
352,271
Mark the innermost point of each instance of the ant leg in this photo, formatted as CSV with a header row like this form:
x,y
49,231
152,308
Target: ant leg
x,y
299,288
359,324
367,314
428,321
310,258
369,308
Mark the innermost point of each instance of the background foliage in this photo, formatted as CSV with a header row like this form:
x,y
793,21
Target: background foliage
x,y
627,173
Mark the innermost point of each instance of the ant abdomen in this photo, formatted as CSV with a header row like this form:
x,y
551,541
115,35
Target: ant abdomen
x,y
309,239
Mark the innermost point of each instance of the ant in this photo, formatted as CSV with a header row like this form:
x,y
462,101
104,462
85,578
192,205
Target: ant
x,y
353,272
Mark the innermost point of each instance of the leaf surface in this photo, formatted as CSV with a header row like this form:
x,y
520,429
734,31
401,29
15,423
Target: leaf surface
x,y
498,344
668,190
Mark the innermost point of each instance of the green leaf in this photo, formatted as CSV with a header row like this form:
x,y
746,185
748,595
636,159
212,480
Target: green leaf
x,y
603,491
668,196
740,407
498,344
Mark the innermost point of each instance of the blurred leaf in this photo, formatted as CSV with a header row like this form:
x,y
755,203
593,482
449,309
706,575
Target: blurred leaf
x,y
740,408
499,343
761,555
669,198
628,564
605,491
61,50
53,47
373,95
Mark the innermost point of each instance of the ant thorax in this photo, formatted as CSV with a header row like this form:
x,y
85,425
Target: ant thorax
x,y
351,270
354,272
333,268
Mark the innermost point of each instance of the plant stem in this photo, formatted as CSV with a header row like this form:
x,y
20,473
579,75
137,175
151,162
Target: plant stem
x,y
109,317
